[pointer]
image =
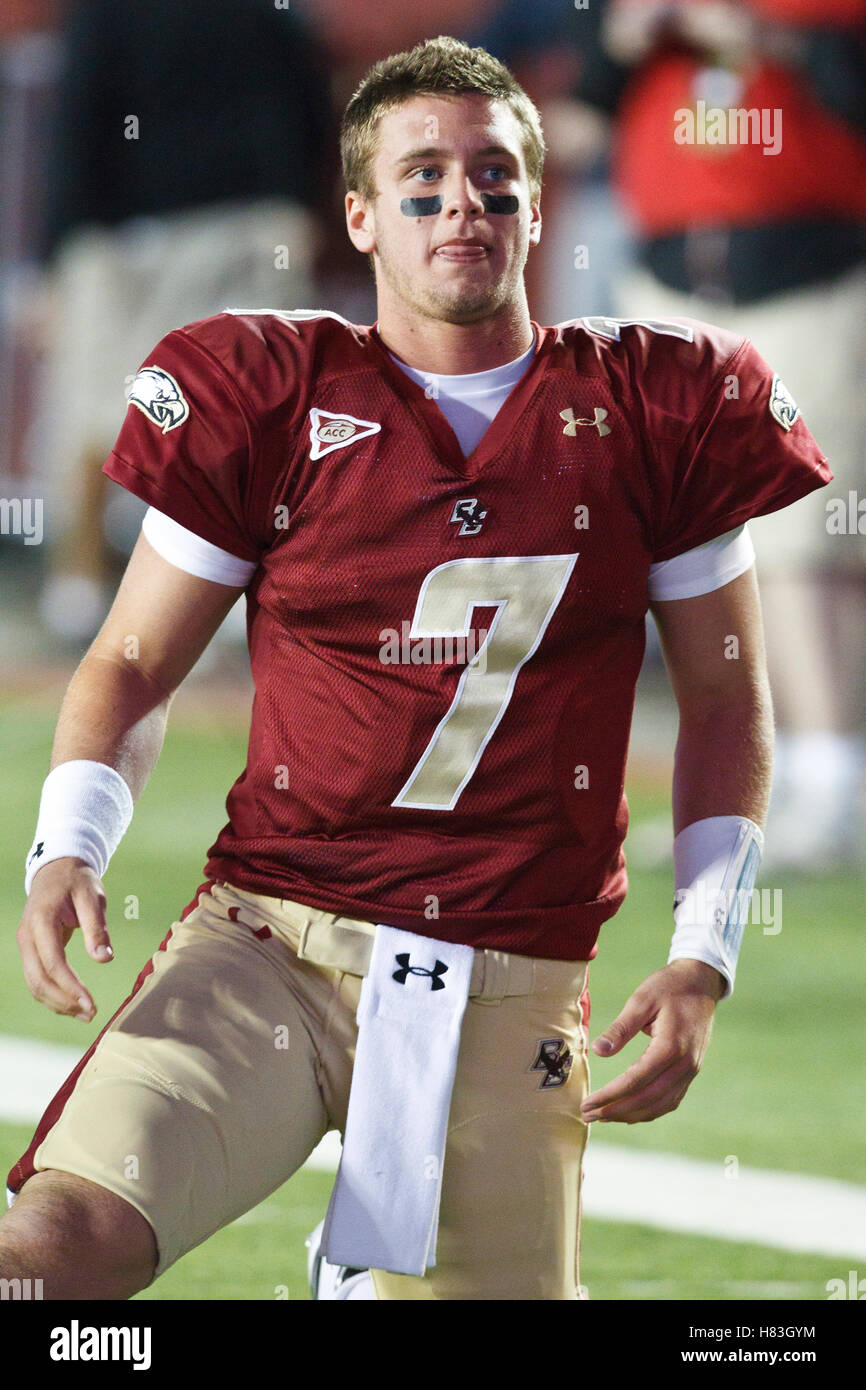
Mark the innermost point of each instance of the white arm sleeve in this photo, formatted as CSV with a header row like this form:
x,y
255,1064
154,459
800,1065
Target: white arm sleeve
x,y
187,551
704,568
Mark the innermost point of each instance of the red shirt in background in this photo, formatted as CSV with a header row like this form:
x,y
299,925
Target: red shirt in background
x,y
819,171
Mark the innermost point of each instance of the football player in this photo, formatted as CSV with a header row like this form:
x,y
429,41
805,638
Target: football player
x,y
393,935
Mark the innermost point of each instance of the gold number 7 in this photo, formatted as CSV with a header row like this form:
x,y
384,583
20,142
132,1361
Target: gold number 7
x,y
525,590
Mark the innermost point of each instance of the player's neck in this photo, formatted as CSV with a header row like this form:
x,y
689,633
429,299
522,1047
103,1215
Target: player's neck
x,y
454,349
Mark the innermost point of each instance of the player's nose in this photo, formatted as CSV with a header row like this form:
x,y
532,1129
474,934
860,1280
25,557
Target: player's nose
x,y
461,198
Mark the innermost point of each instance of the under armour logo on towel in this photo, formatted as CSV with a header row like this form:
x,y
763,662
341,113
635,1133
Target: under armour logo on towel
x,y
555,1059
406,969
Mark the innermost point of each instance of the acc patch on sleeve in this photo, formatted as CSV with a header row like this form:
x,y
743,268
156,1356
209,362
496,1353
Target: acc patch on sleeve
x,y
158,396
783,407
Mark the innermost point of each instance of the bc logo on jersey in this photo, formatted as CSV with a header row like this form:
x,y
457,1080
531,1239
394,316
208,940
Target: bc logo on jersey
x,y
783,407
158,396
470,514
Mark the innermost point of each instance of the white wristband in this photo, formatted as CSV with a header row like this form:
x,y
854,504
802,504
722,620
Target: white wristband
x,y
715,864
84,813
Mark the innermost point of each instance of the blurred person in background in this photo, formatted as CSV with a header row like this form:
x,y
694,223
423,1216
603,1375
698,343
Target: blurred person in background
x,y
28,75
765,234
191,159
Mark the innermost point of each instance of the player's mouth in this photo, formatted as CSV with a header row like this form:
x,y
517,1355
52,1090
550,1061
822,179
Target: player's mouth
x,y
462,252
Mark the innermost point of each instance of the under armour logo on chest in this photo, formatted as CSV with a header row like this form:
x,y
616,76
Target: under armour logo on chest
x,y
570,427
407,969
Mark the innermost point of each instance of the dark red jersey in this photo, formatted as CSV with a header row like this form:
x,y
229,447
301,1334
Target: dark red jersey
x,y
445,649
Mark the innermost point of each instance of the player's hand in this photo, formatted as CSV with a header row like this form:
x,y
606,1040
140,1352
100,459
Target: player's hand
x,y
675,1007
65,894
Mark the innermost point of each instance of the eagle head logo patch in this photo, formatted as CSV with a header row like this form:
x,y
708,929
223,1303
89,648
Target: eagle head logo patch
x,y
158,396
783,407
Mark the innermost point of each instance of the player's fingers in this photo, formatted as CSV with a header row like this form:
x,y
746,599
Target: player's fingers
x,y
89,901
49,979
658,1055
661,1054
658,1097
58,974
642,1109
626,1025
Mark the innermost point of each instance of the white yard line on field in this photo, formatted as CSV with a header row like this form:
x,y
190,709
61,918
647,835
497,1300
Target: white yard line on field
x,y
786,1210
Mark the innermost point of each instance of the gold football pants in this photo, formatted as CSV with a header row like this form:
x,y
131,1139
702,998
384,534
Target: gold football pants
x,y
233,1057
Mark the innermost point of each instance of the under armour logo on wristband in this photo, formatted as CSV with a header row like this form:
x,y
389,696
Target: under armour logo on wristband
x,y
554,1058
36,853
407,969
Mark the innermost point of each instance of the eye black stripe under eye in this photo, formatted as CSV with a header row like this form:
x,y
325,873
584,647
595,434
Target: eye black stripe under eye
x,y
421,207
500,202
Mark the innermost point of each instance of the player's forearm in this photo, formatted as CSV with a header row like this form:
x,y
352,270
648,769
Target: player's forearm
x,y
112,713
724,760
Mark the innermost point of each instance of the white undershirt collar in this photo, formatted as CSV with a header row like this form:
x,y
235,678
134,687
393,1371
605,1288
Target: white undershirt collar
x,y
465,384
470,401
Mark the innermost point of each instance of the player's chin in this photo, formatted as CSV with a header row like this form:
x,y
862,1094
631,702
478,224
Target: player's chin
x,y
470,308
464,302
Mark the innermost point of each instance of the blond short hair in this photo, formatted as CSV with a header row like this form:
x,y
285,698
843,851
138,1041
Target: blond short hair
x,y
434,67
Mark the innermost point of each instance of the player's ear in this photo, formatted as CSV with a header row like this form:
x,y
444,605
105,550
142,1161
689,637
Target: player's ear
x,y
535,222
360,223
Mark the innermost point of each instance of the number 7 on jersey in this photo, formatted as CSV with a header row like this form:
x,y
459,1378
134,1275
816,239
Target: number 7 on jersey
x,y
525,591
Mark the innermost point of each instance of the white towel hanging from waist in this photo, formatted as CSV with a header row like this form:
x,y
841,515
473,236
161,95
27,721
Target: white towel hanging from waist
x,y
384,1208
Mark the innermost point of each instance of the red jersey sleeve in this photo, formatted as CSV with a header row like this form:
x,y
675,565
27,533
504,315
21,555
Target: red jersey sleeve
x,y
739,449
188,446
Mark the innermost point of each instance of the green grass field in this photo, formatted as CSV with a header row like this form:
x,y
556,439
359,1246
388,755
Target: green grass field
x,y
779,1088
